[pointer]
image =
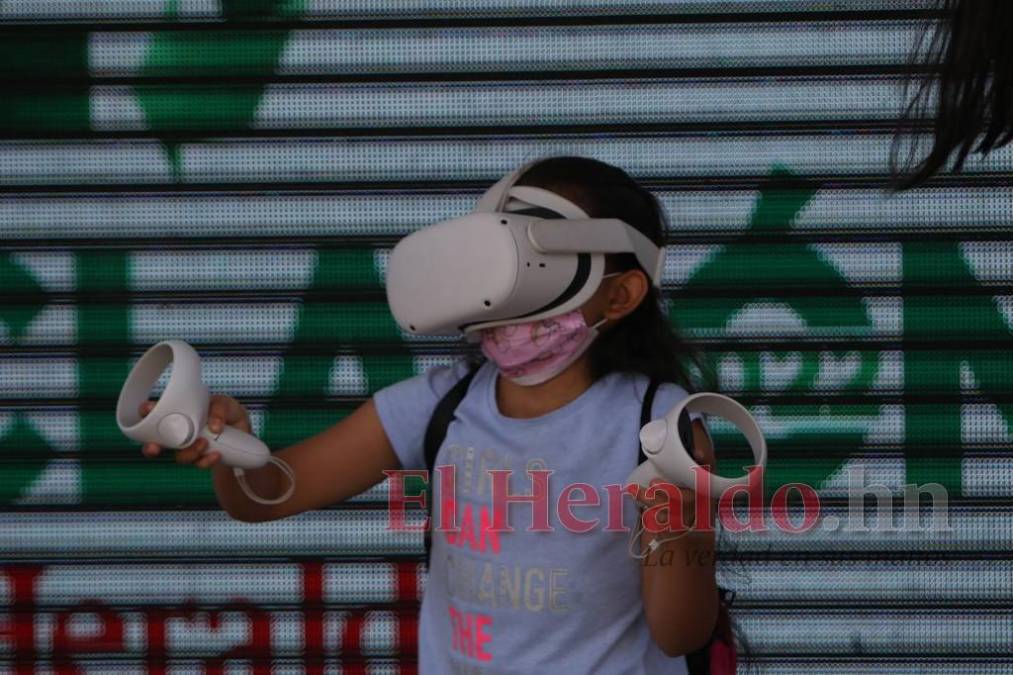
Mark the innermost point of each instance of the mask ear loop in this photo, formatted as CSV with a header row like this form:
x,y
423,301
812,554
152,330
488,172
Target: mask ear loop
x,y
605,318
283,467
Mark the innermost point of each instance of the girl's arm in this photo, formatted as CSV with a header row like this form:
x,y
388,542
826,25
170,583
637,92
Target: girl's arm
x,y
337,463
678,587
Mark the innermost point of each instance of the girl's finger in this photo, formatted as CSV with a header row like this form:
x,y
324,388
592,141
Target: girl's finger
x,y
688,496
199,446
643,501
224,409
639,496
209,460
656,498
151,449
188,455
217,413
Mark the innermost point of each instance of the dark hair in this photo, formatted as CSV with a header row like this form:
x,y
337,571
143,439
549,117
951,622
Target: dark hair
x,y
970,57
645,340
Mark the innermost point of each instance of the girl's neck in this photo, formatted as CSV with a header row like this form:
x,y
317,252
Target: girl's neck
x,y
524,401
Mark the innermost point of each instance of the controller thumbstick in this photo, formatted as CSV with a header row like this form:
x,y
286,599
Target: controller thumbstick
x,y
175,429
652,436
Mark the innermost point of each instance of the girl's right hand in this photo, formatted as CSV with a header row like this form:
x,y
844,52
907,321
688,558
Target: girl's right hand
x,y
222,410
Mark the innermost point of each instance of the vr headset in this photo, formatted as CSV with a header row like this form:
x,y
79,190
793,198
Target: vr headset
x,y
523,253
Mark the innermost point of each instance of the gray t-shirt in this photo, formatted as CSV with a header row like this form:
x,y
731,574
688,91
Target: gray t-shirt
x,y
526,601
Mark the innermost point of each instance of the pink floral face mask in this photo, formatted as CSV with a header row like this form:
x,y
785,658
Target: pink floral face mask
x,y
535,351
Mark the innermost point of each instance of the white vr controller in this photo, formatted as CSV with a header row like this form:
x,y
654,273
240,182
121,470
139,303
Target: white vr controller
x,y
667,457
180,415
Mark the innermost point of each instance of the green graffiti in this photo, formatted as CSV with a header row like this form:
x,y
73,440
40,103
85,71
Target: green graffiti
x,y
20,443
53,107
205,108
26,455
96,271
748,263
330,324
940,335
15,279
248,9
932,433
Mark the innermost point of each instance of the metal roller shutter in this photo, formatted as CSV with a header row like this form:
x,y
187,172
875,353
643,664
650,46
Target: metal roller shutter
x,y
234,174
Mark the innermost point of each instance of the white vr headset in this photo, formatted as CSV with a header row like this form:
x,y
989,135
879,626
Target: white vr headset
x,y
523,253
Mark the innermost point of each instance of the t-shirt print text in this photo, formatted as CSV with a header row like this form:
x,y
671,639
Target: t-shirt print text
x,y
479,585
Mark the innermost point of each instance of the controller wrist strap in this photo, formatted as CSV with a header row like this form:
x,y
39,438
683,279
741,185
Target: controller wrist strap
x,y
283,467
636,551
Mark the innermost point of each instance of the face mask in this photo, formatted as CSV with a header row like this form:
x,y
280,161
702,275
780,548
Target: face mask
x,y
535,351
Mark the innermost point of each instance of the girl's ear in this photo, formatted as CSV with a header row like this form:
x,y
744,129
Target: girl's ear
x,y
626,292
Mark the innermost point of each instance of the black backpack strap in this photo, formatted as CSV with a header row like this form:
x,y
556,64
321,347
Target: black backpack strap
x,y
645,415
436,431
685,424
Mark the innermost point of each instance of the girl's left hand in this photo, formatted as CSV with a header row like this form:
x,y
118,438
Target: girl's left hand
x,y
703,454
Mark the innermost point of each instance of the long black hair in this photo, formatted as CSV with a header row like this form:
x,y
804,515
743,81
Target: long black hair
x,y
646,340
970,59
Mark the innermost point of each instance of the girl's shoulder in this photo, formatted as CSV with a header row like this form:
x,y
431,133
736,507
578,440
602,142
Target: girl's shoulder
x,y
405,406
443,376
666,396
435,378
666,391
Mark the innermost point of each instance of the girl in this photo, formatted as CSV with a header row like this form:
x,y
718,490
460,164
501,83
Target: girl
x,y
571,599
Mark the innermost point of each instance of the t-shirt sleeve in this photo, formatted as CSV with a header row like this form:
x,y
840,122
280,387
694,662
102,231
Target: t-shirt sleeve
x,y
406,406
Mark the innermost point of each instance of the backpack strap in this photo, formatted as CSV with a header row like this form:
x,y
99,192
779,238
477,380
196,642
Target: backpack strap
x,y
436,431
685,424
645,416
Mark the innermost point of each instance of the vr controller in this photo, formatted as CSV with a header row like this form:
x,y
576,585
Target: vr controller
x,y
180,416
667,457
